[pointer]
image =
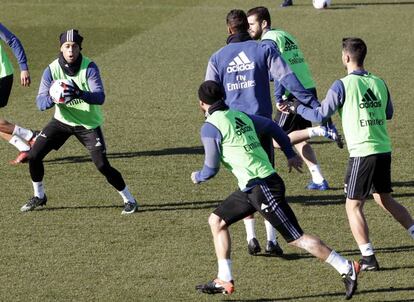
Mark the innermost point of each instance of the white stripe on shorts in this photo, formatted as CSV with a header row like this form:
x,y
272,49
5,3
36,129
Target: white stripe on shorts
x,y
283,118
279,213
353,177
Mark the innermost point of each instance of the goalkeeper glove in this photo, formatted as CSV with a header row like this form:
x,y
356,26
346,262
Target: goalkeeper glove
x,y
71,91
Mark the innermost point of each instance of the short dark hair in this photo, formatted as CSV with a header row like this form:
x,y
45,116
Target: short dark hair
x,y
237,21
261,13
210,92
356,48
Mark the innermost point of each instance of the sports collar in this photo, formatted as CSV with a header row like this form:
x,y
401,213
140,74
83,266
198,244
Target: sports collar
x,y
239,37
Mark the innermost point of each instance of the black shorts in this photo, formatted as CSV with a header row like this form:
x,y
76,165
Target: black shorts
x,y
367,175
56,133
6,84
290,122
267,198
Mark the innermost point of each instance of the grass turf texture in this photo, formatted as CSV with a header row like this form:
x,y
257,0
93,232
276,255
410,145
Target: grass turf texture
x,y
152,56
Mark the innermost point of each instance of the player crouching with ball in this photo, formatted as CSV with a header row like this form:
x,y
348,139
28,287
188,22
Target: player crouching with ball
x,y
72,84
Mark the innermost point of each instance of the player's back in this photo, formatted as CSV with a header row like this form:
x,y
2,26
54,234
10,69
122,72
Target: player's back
x,y
241,150
242,69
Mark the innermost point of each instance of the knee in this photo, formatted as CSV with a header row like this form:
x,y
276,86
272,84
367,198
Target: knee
x,y
101,167
34,156
101,164
100,161
354,205
383,198
306,242
216,222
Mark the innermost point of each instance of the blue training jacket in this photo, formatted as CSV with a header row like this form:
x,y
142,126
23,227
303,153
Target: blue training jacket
x,y
242,68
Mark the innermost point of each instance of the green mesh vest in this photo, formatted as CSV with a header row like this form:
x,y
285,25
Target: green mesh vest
x,y
363,115
77,112
291,53
241,151
6,67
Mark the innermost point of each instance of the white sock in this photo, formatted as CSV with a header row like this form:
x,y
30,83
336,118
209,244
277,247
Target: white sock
x,y
411,231
338,262
224,270
270,232
19,143
316,174
366,249
316,131
24,133
126,195
39,190
250,229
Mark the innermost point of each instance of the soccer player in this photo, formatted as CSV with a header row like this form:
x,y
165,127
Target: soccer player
x,y
260,29
80,115
364,105
19,137
242,68
231,137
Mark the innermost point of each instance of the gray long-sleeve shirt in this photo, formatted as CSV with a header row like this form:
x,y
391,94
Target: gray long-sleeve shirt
x,y
334,100
95,96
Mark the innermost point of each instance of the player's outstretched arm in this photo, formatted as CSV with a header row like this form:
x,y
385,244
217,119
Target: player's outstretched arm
x,y
334,99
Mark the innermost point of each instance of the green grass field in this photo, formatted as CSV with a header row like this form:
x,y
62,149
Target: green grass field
x,y
152,56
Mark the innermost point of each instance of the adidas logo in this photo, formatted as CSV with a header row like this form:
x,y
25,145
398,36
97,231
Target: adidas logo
x,y
369,100
289,44
98,142
265,207
240,63
241,127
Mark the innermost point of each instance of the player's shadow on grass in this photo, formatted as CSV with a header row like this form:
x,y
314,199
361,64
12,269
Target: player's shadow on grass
x,y
320,200
324,295
328,200
409,183
324,200
354,252
186,205
174,206
117,155
382,250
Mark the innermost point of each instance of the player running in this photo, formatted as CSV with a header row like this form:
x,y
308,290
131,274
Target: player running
x,y
242,69
231,137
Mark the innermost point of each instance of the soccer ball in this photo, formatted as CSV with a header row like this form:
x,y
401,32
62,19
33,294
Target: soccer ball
x,y
57,89
320,4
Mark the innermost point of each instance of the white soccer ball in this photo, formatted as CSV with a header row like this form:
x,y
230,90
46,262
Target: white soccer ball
x,y
56,90
321,4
